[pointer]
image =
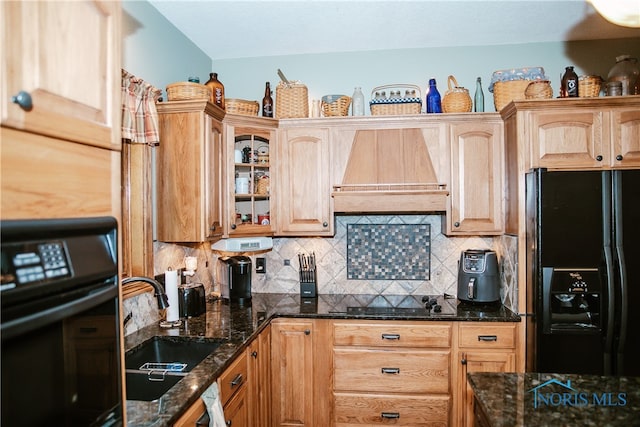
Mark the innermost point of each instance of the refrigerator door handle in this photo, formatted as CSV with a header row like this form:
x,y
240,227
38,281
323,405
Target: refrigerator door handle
x,y
610,277
622,270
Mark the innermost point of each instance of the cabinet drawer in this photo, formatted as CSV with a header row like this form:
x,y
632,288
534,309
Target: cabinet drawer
x,y
380,409
392,334
233,378
413,371
487,336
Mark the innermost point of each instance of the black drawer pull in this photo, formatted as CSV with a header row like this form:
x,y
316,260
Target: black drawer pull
x,y
391,371
390,415
390,336
237,380
487,338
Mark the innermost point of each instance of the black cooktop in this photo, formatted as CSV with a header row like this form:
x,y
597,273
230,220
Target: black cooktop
x,y
414,306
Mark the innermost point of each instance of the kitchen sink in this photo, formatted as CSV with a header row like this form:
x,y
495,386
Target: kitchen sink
x,y
160,362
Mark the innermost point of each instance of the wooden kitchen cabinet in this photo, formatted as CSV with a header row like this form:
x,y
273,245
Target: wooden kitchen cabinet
x,y
304,202
61,158
244,208
64,56
603,133
387,372
476,187
234,383
259,371
300,372
189,172
488,347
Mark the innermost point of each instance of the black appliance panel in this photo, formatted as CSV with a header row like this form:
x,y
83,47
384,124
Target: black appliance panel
x,y
61,333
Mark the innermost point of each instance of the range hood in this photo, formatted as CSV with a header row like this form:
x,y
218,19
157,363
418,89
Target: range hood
x,y
391,170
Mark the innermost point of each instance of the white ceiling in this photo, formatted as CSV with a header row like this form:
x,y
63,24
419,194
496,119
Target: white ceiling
x,y
254,28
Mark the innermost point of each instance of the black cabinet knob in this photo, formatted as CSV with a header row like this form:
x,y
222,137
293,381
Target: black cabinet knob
x,y
599,158
233,226
325,224
23,99
456,224
307,332
619,157
254,354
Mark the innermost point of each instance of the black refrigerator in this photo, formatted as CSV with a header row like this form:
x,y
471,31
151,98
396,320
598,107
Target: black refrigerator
x,y
583,238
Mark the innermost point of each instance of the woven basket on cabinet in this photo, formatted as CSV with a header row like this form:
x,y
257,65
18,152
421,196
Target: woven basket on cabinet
x,y
456,99
507,91
335,105
182,91
292,101
241,107
589,86
538,89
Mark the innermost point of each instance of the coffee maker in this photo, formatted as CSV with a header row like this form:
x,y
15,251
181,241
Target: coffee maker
x,y
239,268
478,277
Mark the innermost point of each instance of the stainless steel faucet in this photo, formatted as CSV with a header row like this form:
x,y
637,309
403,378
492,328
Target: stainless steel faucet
x,y
163,300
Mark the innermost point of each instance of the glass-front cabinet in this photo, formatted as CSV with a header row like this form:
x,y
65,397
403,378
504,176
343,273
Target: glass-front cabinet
x,y
250,200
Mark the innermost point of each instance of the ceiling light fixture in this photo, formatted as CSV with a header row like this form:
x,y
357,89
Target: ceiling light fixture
x,y
625,13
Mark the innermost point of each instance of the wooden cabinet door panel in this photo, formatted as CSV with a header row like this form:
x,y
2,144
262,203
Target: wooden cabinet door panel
x,y
292,373
568,140
476,193
66,55
478,361
304,186
625,147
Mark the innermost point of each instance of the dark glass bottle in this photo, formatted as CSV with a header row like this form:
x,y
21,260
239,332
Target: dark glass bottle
x,y
434,103
267,101
478,104
569,86
217,90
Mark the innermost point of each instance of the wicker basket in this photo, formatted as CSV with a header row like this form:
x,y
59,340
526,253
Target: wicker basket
x,y
335,105
538,89
396,107
589,86
241,107
182,91
507,91
292,101
456,99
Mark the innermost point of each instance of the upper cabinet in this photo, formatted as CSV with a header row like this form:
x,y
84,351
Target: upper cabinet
x,y
61,69
248,188
189,172
60,109
304,202
594,133
477,177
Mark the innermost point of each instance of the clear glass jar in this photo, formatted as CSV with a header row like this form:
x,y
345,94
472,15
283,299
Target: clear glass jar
x,y
626,71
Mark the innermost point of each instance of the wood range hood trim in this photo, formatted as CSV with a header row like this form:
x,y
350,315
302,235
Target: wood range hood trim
x,y
390,170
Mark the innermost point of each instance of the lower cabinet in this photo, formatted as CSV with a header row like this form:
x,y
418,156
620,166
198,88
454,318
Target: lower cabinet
x,y
486,347
300,372
233,392
391,373
259,393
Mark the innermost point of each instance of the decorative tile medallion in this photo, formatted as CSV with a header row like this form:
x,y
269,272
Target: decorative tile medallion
x,y
388,251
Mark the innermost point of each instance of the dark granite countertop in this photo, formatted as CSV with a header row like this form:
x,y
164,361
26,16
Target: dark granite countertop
x,y
535,399
238,325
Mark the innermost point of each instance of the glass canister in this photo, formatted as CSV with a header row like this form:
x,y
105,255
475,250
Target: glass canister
x,y
627,72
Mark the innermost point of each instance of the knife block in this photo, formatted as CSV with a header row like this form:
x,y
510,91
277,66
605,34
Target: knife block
x,y
308,288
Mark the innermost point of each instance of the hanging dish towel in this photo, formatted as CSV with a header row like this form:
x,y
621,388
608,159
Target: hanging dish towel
x,y
211,398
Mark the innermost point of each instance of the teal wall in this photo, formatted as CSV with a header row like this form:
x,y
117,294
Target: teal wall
x,y
156,51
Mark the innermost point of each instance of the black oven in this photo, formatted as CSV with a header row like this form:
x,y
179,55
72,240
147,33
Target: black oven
x,y
61,362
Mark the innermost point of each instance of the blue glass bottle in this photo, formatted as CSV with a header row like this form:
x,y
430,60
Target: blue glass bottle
x,y
434,103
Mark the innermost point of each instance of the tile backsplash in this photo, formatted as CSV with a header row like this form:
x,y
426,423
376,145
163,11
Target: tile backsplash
x,y
388,251
438,275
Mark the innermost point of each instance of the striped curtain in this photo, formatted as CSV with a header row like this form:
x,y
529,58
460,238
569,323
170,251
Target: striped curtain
x,y
139,114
